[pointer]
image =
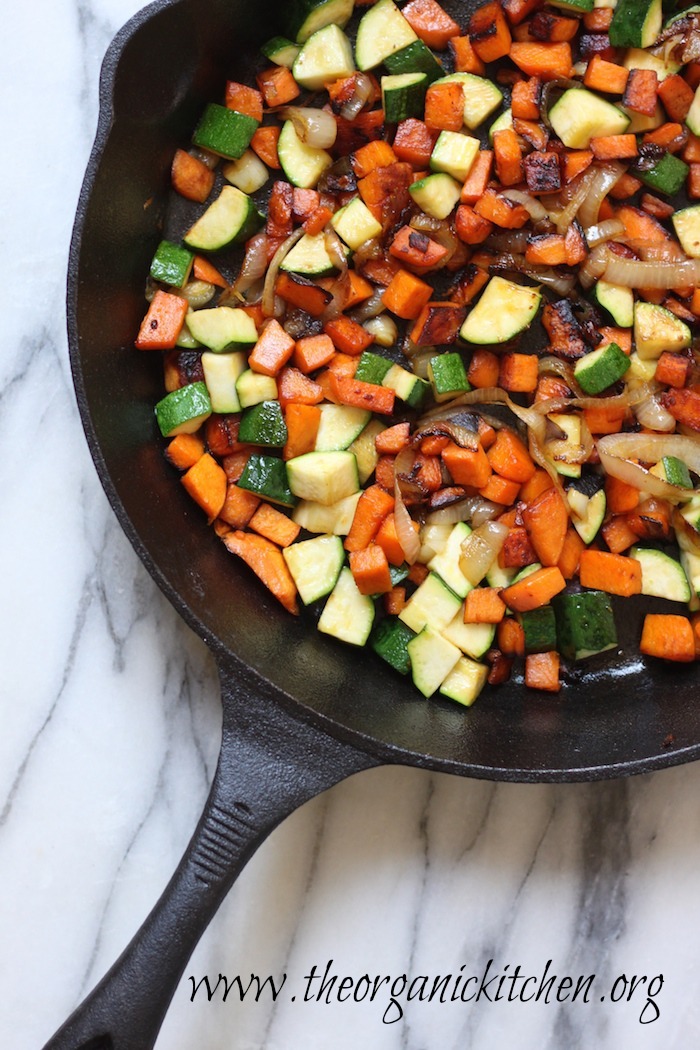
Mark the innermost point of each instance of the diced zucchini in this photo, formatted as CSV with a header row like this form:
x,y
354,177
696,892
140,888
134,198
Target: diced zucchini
x,y
221,372
309,257
446,563
267,476
693,115
448,376
454,153
323,477
662,65
539,629
230,219
326,56
686,223
636,23
580,115
364,449
371,368
657,329
432,658
474,639
254,387
481,97
171,264
431,603
503,120
617,300
662,575
303,165
674,471
690,562
247,174
315,565
355,223
303,18
183,411
185,340
263,424
339,426
585,624
504,310
348,614
408,387
465,681
403,96
666,175
390,639
437,195
588,512
280,51
382,32
570,447
224,131
601,368
334,519
416,57
433,540
223,328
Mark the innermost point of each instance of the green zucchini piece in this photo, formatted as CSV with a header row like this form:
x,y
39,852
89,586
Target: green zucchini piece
x,y
667,175
309,257
432,658
254,387
224,131
303,165
474,639
403,96
588,512
446,562
323,477
580,115
221,373
686,223
437,195
267,476
347,615
567,459
657,329
465,681
448,376
416,57
171,264
334,519
390,640
408,387
636,23
617,300
601,368
454,153
382,32
247,174
504,310
693,115
183,411
364,450
674,471
371,368
223,328
315,566
638,58
433,602
263,424
326,56
230,219
585,624
303,18
280,51
662,575
354,223
339,426
539,628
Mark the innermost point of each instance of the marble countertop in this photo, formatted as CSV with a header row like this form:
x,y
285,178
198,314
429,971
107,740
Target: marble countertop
x,y
110,726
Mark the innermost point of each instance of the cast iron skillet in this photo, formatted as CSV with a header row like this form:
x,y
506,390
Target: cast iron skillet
x,y
300,712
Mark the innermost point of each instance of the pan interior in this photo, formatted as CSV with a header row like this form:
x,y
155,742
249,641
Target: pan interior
x,y
615,715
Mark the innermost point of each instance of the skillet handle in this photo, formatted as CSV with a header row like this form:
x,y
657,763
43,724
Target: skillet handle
x,y
269,764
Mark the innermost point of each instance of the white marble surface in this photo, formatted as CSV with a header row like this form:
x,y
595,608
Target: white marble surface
x,y
110,715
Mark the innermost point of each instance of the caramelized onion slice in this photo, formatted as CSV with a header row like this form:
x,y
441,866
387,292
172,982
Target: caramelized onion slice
x,y
617,451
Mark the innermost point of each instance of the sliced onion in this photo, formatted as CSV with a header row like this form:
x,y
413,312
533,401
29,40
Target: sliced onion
x,y
370,307
268,295
383,328
480,550
406,532
443,427
474,509
420,362
594,266
197,293
254,264
514,241
634,273
535,208
617,451
573,196
605,176
652,415
314,127
360,97
603,231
